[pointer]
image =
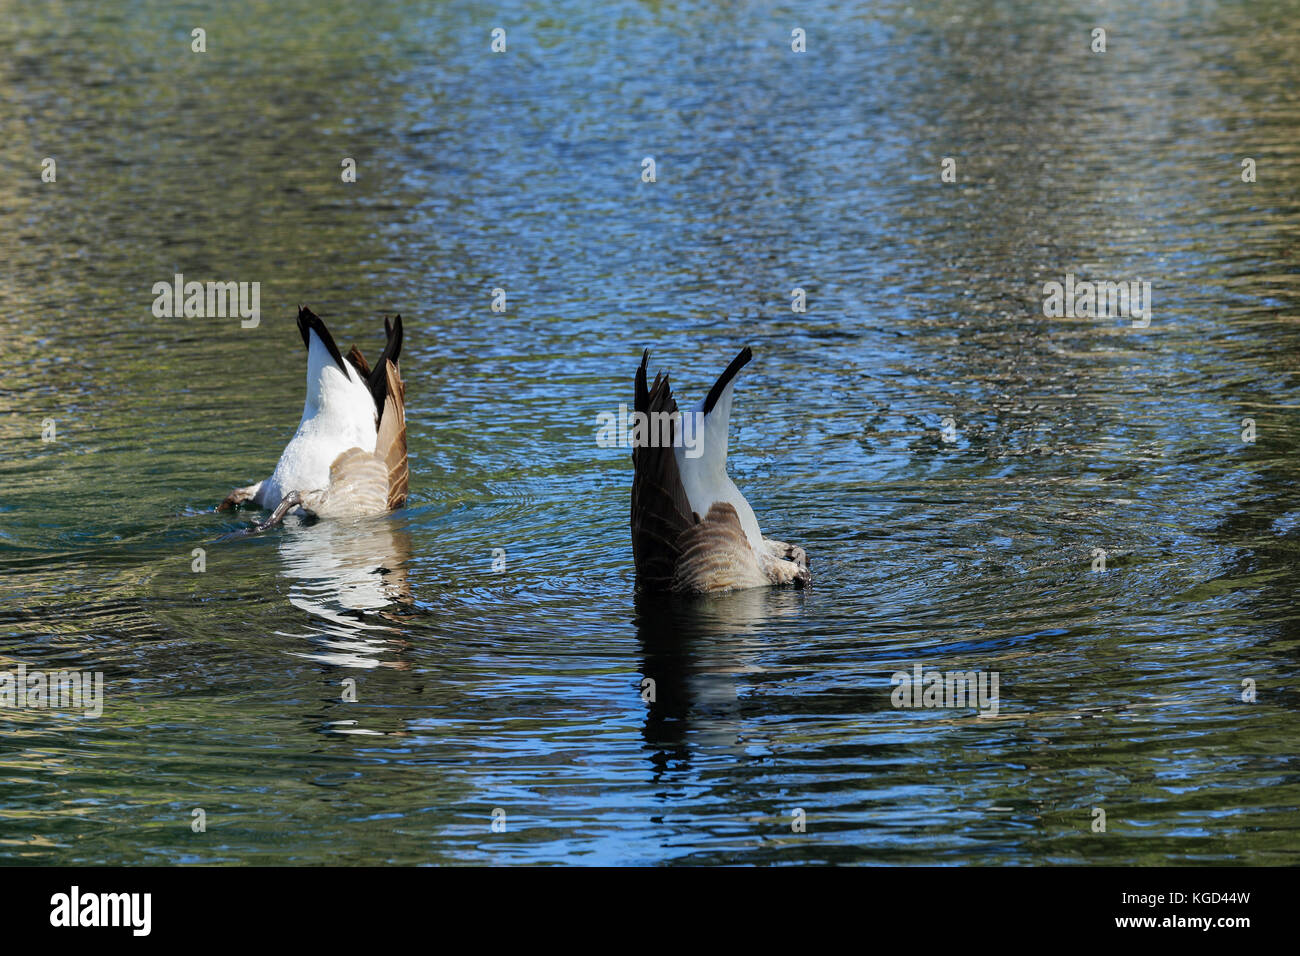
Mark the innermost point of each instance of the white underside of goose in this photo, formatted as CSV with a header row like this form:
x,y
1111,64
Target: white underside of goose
x,y
692,529
339,414
705,476
348,455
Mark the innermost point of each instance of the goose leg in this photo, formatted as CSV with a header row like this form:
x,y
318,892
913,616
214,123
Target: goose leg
x,y
791,563
287,504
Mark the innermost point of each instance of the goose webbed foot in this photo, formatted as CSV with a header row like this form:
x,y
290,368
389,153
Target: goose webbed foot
x,y
290,501
287,504
792,561
239,496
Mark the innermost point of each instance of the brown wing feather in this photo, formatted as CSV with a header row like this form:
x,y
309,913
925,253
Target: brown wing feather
x,y
716,555
390,447
660,509
358,486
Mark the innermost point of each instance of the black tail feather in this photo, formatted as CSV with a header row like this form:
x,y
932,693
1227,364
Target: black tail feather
x,y
378,379
308,322
715,393
641,402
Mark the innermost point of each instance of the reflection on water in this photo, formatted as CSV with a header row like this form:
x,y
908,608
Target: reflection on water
x,y
340,571
693,650
370,691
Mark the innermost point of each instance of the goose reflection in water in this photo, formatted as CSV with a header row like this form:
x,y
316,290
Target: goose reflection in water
x,y
698,651
350,577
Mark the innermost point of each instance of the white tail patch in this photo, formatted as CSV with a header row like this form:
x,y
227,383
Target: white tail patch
x,y
705,477
338,414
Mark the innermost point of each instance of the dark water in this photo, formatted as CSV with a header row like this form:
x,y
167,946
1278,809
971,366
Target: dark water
x,y
521,689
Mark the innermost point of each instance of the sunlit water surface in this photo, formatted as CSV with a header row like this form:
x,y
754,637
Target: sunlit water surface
x,y
522,689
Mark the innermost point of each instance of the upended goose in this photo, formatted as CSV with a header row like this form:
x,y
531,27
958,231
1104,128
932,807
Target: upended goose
x,y
348,456
692,529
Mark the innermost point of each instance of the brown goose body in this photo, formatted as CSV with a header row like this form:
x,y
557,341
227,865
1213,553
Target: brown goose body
x,y
692,530
348,456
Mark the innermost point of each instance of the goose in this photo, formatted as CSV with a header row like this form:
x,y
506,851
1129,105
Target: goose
x,y
692,529
348,456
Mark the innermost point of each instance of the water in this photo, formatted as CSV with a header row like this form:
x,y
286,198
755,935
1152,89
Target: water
x,y
521,690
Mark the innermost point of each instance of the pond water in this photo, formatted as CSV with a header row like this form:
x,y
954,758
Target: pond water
x,y
956,463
